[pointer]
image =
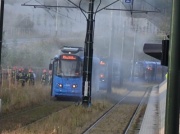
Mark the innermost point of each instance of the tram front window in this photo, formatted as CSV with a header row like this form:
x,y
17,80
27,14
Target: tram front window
x,y
70,68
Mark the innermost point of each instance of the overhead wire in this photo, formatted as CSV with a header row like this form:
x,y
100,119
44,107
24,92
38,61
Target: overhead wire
x,y
152,6
95,17
107,6
82,10
47,9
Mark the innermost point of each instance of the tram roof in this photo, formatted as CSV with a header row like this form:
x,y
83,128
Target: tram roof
x,y
71,49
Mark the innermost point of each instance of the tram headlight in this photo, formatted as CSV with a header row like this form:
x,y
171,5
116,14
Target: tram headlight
x,y
74,86
60,85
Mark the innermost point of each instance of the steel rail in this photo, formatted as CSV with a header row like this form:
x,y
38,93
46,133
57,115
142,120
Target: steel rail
x,y
93,125
104,115
135,112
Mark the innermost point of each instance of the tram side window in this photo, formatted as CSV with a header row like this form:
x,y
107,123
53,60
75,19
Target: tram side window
x,y
79,68
56,68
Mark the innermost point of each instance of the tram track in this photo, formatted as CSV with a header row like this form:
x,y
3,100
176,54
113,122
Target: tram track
x,y
129,125
108,115
103,116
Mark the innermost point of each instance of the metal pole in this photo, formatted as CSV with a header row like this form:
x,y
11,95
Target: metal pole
x,y
1,35
88,55
110,58
1,27
173,85
133,58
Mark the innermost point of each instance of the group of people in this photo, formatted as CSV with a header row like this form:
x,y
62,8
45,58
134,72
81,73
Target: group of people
x,y
22,77
29,77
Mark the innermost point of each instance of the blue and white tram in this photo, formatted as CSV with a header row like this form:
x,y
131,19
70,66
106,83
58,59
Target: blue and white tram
x,y
67,73
150,71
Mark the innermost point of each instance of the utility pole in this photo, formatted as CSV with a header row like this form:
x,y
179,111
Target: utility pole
x,y
1,29
173,85
88,56
1,36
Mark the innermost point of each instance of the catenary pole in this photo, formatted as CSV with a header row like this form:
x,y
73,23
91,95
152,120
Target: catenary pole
x,y
1,37
173,85
1,28
88,54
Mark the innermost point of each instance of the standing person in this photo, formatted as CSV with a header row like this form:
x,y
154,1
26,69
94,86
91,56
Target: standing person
x,y
21,77
44,77
50,77
13,75
34,76
30,77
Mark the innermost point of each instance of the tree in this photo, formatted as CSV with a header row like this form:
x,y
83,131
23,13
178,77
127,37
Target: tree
x,y
24,22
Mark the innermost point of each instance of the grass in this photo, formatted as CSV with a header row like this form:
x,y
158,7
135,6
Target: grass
x,y
17,97
69,121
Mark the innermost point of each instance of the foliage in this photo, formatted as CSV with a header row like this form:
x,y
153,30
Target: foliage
x,y
36,54
24,22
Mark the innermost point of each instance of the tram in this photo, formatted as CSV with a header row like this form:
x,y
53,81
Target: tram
x,y
67,73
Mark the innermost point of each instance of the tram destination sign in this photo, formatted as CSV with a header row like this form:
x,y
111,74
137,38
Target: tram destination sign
x,y
68,57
